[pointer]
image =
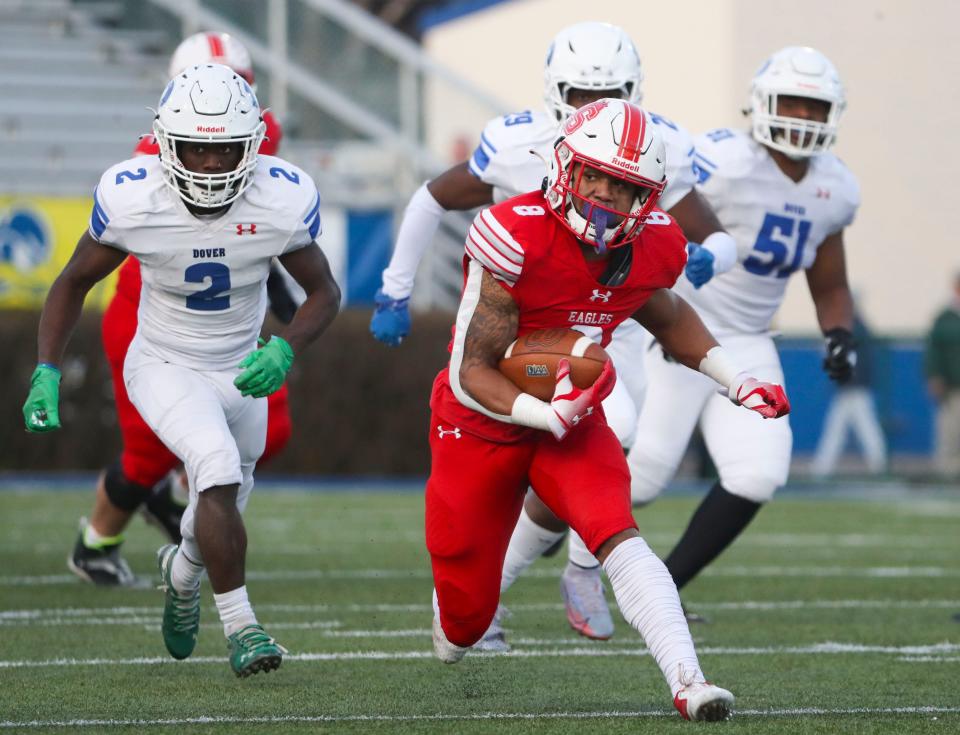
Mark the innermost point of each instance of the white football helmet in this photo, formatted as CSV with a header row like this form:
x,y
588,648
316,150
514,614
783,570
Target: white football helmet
x,y
212,104
617,138
590,55
796,71
212,48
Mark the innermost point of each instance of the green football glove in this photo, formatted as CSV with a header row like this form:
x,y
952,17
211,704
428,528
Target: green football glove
x,y
264,370
41,412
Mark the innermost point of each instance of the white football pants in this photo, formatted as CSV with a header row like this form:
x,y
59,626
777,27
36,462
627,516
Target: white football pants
x,y
201,416
752,454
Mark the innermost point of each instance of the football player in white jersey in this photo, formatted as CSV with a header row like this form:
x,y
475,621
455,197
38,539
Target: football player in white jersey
x,y
204,218
786,200
585,62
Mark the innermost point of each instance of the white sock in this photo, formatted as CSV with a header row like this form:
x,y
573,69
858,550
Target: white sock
x,y
235,611
527,544
649,601
185,573
579,554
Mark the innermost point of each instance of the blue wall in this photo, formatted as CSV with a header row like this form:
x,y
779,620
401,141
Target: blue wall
x,y
906,411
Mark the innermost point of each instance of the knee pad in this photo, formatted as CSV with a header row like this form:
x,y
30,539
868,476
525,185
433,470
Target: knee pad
x,y
220,467
758,488
648,478
123,493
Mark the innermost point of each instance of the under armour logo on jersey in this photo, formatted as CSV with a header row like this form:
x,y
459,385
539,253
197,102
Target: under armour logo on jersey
x,y
599,295
444,432
577,419
244,229
823,193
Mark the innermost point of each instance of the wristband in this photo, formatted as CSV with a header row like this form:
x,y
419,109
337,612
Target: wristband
x,y
530,411
718,364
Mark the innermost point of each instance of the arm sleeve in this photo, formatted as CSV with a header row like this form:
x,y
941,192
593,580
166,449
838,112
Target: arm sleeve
x,y
419,225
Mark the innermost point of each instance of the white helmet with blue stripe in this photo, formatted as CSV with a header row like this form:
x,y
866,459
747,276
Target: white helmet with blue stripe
x,y
209,103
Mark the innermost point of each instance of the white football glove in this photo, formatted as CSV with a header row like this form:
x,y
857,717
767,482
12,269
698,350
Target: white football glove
x,y
767,399
571,404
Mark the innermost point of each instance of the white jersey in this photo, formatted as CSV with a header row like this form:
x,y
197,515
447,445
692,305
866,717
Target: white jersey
x,y
204,279
778,225
514,150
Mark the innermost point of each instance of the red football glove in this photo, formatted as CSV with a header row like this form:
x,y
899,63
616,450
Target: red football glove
x,y
767,399
571,404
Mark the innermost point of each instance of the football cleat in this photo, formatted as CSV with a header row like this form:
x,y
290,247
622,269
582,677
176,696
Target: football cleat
x,y
703,702
494,639
163,509
102,565
181,611
252,650
587,610
444,650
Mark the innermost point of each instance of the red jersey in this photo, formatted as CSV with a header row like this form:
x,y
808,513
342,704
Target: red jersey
x,y
540,264
128,277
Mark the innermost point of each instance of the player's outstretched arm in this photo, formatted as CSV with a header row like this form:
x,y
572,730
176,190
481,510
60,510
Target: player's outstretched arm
x,y
674,323
90,263
827,280
265,369
455,189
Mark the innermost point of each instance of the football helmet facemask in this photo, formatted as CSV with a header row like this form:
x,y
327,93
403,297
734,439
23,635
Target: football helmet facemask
x,y
796,71
618,139
212,48
590,56
208,104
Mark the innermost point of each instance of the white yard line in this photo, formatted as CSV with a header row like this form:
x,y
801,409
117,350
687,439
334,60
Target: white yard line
x,y
829,647
279,719
147,614
295,575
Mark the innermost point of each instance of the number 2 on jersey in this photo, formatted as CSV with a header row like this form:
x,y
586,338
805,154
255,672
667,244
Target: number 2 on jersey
x,y
209,299
773,246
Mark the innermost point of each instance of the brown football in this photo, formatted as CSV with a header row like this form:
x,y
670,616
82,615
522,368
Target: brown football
x,y
531,361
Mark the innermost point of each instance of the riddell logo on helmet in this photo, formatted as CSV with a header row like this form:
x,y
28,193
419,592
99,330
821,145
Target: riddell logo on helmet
x,y
210,129
624,163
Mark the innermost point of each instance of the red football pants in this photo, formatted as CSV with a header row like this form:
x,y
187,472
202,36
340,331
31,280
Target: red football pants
x,y
475,494
145,459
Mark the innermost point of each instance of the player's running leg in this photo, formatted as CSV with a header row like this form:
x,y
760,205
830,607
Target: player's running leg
x,y
585,481
473,499
752,457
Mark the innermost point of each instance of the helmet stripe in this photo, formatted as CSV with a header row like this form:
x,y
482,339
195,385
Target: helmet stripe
x,y
216,45
634,131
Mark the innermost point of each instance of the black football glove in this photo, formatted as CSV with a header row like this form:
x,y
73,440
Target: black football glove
x,y
841,355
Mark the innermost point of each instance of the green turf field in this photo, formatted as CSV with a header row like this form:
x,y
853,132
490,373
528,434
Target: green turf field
x,y
829,616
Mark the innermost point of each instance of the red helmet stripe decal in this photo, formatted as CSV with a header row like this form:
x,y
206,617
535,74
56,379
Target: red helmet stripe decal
x,y
216,45
634,131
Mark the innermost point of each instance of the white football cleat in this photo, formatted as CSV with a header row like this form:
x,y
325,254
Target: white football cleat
x,y
494,639
703,702
587,610
443,649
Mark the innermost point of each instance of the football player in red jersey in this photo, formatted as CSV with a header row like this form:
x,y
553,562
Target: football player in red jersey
x,y
141,478
533,262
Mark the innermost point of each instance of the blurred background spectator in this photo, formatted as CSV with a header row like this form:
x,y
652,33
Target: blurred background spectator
x,y
943,382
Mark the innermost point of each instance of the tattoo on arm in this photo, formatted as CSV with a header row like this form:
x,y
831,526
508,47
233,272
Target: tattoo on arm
x,y
493,326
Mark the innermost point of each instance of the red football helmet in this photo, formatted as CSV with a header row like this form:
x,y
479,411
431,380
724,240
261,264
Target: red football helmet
x,y
617,139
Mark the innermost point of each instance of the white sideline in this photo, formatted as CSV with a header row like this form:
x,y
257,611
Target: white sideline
x,y
828,647
220,720
295,575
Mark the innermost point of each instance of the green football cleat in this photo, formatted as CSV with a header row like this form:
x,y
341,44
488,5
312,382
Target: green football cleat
x,y
252,650
181,612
